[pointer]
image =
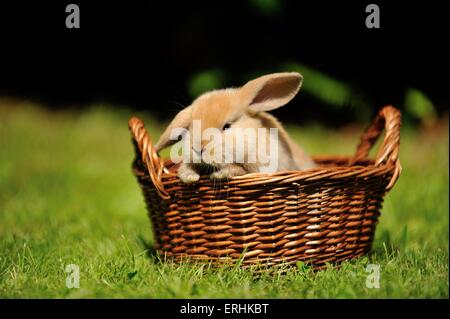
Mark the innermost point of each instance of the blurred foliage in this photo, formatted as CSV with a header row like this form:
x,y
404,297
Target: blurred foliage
x,y
267,7
332,92
206,81
419,106
328,90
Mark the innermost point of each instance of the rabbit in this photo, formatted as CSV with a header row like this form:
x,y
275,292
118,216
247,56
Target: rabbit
x,y
233,108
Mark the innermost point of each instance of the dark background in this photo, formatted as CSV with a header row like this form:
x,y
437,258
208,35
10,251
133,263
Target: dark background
x,y
143,54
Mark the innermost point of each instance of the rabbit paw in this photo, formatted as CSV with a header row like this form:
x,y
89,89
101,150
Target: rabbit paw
x,y
187,175
227,172
222,174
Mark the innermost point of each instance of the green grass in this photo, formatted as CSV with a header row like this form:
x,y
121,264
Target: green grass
x,y
67,196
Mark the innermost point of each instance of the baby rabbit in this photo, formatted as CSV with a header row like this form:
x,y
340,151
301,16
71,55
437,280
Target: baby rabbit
x,y
233,111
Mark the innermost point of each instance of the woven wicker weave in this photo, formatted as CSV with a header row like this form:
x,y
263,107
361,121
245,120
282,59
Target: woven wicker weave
x,y
320,215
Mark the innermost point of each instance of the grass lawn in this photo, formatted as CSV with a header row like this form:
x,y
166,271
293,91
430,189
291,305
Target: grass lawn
x,y
68,196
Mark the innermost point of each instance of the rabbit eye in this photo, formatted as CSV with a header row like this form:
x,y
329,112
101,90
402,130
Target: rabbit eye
x,y
226,126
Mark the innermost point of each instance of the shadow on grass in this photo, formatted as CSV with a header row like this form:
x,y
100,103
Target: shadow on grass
x,y
386,247
150,250
258,271
384,251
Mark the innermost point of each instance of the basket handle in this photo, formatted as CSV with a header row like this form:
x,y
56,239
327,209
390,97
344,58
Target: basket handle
x,y
389,118
155,165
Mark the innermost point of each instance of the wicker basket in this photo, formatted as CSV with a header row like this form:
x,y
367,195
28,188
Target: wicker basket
x,y
317,216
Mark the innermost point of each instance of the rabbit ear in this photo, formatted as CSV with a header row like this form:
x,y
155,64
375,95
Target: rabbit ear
x,y
181,120
271,91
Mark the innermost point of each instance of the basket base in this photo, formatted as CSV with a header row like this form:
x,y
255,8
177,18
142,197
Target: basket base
x,y
263,263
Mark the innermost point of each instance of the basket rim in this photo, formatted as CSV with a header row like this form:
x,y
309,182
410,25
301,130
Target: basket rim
x,y
306,174
386,162
284,179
